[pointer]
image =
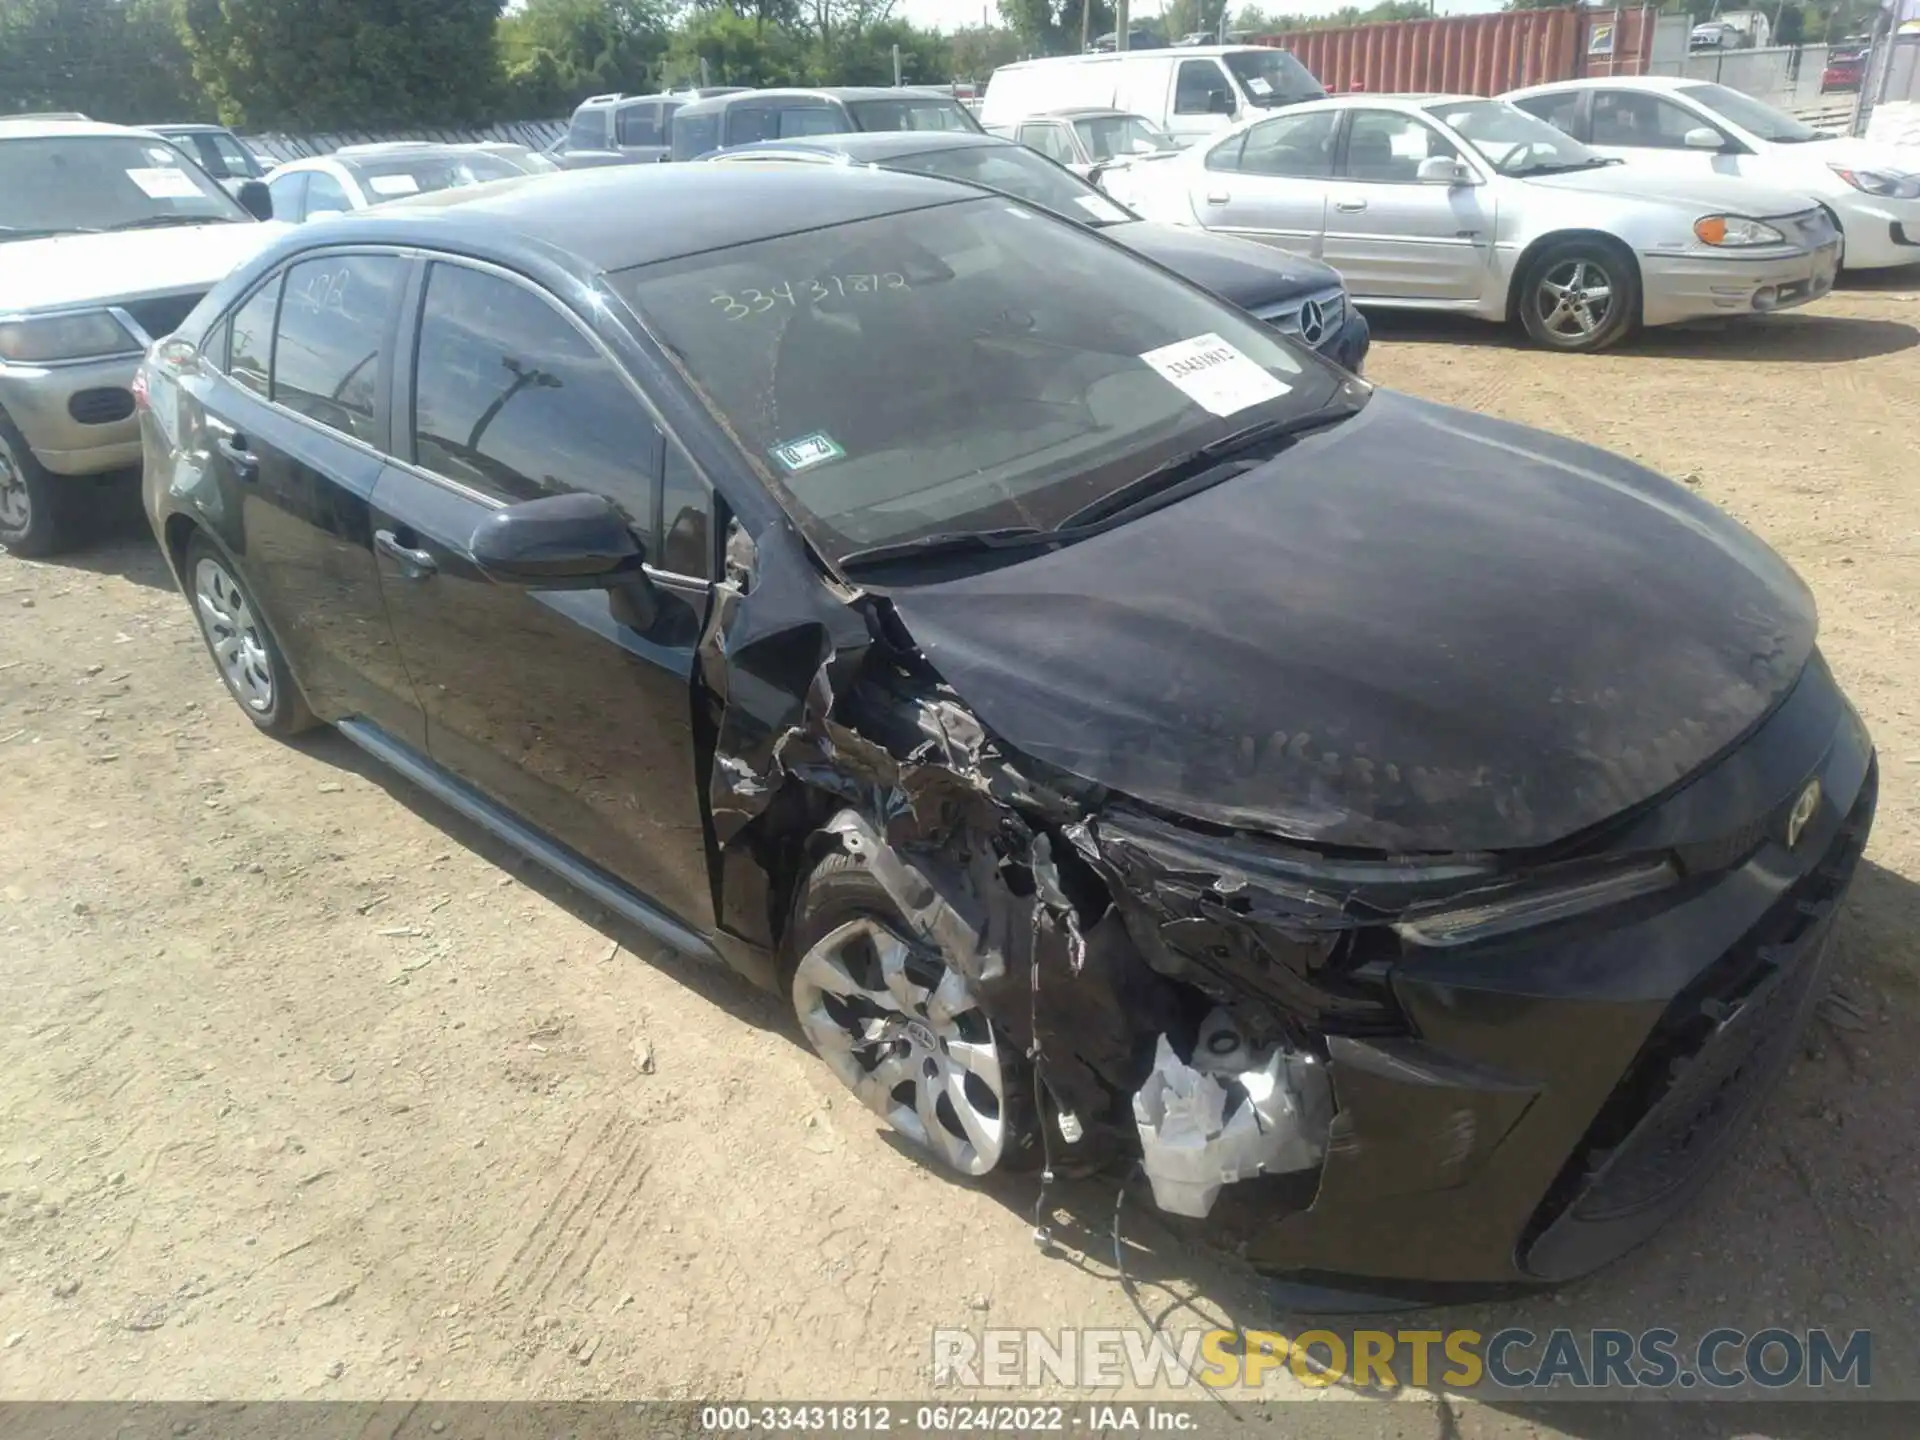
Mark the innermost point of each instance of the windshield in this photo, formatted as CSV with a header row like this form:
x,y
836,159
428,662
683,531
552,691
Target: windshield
x,y
1109,136
1751,115
928,112
1019,172
960,367
55,185
423,174
1273,77
1514,142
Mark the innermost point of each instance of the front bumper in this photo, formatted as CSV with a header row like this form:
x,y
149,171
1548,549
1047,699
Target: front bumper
x,y
1556,1098
1349,348
77,418
1694,286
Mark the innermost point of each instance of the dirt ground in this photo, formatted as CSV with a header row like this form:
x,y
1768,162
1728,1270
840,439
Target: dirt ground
x,y
309,1090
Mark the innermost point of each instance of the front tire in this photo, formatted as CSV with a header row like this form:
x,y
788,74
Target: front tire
x,y
36,505
1579,296
901,1027
243,648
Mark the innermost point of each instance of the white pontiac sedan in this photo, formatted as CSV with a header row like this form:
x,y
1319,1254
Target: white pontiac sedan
x,y
1460,203
1690,127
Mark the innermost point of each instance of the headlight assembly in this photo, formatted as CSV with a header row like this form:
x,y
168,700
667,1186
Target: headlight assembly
x,y
1884,183
1734,231
1525,908
48,339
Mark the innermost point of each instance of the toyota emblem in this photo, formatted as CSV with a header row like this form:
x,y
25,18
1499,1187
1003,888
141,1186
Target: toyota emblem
x,y
1313,322
1802,812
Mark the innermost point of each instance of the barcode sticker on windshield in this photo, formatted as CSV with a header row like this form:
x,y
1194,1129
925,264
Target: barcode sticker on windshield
x,y
393,185
808,451
165,182
1214,375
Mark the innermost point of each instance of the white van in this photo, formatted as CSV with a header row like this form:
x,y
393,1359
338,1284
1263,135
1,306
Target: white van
x,y
1190,92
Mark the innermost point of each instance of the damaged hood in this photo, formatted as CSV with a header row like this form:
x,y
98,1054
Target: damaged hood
x,y
1423,629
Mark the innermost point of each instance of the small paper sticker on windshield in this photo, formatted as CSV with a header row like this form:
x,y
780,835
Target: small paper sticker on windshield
x,y
808,451
393,185
1098,206
1258,85
165,182
1214,375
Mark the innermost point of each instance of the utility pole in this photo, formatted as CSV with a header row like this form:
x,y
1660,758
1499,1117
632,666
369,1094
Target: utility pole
x,y
1120,25
1086,15
896,67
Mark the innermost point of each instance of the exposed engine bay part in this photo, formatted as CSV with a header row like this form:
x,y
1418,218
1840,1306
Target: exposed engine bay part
x,y
1235,1113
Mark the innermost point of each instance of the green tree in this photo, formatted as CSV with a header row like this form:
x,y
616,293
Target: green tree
x,y
116,60
737,50
977,53
554,53
1053,27
340,64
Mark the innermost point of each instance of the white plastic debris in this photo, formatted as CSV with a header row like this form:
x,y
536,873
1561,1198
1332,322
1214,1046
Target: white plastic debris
x,y
1205,1125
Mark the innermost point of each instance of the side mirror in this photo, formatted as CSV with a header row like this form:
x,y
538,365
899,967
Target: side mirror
x,y
1702,137
558,542
1439,170
255,199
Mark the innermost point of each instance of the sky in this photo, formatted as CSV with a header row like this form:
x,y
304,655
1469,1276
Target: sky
x,y
953,15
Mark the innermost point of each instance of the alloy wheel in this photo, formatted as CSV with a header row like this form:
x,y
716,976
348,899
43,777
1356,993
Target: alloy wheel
x,y
234,635
16,502
901,1029
1575,298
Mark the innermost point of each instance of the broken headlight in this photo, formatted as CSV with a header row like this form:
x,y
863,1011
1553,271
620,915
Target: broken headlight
x,y
1523,909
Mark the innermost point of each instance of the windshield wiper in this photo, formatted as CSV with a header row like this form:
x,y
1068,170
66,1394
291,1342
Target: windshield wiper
x,y
156,222
953,542
1562,167
24,232
1197,470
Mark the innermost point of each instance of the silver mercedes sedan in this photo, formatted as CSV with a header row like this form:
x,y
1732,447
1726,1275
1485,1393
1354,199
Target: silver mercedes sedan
x,y
1437,202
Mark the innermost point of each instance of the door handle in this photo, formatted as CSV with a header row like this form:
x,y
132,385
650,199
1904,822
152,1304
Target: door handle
x,y
1218,197
233,448
414,564
1351,207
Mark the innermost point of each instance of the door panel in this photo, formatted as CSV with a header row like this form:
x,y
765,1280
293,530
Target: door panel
x,y
305,516
1269,183
1392,236
573,708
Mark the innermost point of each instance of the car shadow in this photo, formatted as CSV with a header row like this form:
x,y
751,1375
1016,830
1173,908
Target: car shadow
x,y
710,980
1766,339
114,539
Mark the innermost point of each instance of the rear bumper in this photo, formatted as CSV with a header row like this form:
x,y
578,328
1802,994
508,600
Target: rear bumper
x,y
1558,1101
1693,287
78,419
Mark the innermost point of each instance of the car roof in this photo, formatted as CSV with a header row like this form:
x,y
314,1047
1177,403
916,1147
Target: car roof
x,y
821,92
355,155
873,144
31,129
1158,52
1082,112
621,216
187,127
1615,82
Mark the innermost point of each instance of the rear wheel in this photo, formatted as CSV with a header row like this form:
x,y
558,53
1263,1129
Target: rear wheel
x,y
35,505
243,648
900,1025
1579,296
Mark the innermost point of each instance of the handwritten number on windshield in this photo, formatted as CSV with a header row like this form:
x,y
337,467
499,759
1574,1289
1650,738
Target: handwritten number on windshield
x,y
737,305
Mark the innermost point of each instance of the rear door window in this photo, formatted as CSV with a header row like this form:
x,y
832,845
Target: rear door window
x,y
588,131
250,339
1296,146
638,125
1050,140
332,336
1560,110
694,135
811,120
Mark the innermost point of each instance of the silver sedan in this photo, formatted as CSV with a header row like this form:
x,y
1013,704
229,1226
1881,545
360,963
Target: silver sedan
x,y
1459,203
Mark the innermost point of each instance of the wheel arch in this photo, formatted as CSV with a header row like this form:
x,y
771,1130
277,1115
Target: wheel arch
x,y
1603,238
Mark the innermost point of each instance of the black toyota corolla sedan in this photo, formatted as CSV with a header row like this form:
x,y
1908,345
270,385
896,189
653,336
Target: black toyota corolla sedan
x,y
1293,293
1126,737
